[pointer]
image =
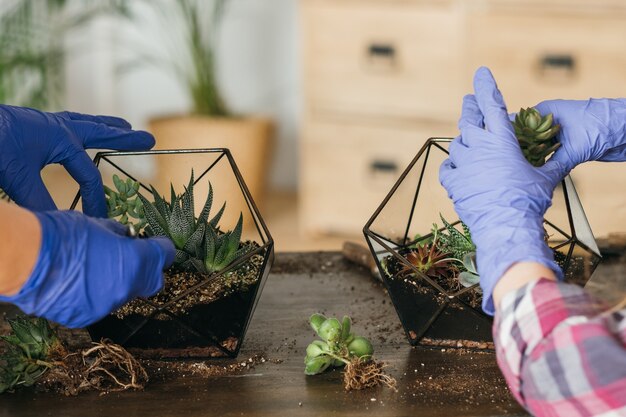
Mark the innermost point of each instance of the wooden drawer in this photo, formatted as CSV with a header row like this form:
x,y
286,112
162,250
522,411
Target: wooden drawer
x,y
383,58
347,169
552,55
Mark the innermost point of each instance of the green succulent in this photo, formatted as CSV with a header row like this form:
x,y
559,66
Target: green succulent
x,y
27,352
470,276
453,241
123,202
200,245
338,345
536,135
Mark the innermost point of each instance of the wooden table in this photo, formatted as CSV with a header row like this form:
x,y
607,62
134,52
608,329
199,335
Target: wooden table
x,y
430,382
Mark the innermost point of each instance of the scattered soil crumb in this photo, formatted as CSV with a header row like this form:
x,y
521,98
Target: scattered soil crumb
x,y
164,370
448,343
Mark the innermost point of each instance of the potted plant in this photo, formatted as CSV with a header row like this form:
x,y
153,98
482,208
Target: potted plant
x,y
428,262
212,289
33,47
191,56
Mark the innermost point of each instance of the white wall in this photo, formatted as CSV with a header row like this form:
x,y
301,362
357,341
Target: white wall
x,y
258,69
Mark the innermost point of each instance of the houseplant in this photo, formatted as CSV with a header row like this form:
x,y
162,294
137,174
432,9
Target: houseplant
x,y
211,291
191,57
33,47
426,262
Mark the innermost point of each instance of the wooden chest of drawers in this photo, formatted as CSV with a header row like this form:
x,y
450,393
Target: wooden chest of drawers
x,y
381,76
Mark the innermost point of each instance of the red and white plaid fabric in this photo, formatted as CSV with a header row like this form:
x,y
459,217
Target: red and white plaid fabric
x,y
560,351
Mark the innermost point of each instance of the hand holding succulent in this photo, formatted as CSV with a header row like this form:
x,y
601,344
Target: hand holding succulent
x,y
536,135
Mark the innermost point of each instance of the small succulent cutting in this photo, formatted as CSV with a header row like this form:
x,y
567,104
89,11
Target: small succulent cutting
x,y
29,348
536,135
470,276
124,204
33,354
200,245
339,347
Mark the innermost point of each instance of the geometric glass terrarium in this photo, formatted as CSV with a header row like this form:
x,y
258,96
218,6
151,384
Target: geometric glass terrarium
x,y
439,309
195,314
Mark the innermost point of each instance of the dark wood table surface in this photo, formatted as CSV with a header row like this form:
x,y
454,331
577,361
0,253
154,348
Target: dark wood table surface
x,y
430,382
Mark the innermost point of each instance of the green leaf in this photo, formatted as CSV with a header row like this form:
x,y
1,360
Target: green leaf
x,y
206,209
158,225
121,188
316,349
209,248
361,347
216,219
346,324
316,321
317,365
195,242
467,279
469,262
179,229
188,202
330,330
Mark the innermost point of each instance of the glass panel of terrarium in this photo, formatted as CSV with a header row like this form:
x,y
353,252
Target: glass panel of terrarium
x,y
581,225
380,246
393,220
432,201
60,184
557,223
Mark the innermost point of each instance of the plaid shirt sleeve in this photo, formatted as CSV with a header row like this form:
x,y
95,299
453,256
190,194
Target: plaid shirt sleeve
x,y
561,352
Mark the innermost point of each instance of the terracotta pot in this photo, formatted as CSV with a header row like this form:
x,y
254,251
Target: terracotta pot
x,y
249,140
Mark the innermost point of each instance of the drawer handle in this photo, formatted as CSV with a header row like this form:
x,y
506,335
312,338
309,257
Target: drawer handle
x,y
380,50
387,167
381,56
558,61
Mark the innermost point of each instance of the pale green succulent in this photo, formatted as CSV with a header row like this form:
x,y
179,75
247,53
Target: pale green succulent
x,y
124,204
338,346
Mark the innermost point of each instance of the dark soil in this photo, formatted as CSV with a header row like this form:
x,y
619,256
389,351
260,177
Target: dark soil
x,y
194,316
449,282
183,290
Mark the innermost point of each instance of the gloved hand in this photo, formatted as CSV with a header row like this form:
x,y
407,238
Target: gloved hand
x,y
591,130
499,195
87,268
31,139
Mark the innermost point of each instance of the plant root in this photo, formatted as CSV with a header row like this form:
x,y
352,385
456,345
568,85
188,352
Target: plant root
x,y
360,374
104,367
109,367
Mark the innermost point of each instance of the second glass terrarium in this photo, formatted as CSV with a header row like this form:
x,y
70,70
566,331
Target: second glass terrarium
x,y
438,307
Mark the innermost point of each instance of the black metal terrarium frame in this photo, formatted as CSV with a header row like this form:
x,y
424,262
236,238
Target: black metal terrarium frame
x,y
204,336
444,317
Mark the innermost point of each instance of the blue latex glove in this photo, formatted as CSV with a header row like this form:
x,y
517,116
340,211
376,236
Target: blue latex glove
x,y
87,268
499,195
31,139
591,130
